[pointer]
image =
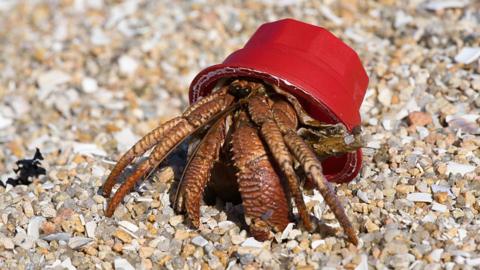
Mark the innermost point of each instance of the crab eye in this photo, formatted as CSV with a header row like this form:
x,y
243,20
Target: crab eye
x,y
239,90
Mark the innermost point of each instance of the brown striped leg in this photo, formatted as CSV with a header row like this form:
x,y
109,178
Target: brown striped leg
x,y
237,87
155,136
143,145
262,114
272,135
263,197
313,169
172,139
197,174
194,118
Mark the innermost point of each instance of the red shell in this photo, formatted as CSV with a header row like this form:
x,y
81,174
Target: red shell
x,y
312,64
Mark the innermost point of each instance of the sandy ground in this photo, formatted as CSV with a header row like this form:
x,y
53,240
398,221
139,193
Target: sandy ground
x,y
82,80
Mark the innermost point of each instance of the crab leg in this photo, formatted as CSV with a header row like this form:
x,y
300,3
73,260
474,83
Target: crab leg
x,y
284,116
261,113
262,194
147,142
194,117
151,139
197,174
313,169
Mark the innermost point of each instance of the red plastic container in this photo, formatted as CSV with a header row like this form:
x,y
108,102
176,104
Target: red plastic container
x,y
312,64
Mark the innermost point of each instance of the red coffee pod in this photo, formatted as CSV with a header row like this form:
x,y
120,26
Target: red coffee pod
x,y
308,61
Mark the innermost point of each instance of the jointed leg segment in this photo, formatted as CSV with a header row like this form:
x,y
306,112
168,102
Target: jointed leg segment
x,y
260,111
197,174
167,136
263,197
282,122
313,169
172,138
142,146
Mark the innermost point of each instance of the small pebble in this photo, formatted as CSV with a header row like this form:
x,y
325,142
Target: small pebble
x,y
419,118
419,197
7,243
78,242
237,239
122,264
363,196
199,241
287,231
127,65
467,55
146,252
457,168
439,207
405,189
128,226
441,197
181,234
291,244
5,122
90,228
175,220
28,209
251,242
371,227
436,254
225,225
52,79
436,5
317,243
65,264
246,259
473,262
33,229
124,236
89,85
57,237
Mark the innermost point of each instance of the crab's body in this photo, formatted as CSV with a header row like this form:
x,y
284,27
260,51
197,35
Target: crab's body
x,y
265,133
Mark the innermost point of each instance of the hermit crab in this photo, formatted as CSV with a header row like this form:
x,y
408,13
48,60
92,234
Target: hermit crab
x,y
251,114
